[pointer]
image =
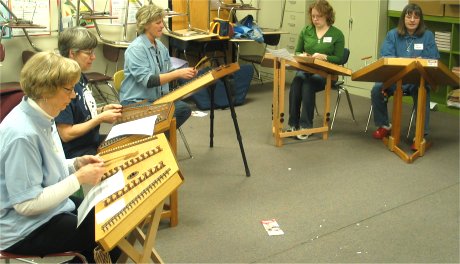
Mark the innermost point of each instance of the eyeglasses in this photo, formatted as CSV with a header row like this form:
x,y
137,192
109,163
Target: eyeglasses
x,y
88,52
68,90
414,17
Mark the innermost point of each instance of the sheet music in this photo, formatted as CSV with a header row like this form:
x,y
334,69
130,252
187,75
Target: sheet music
x,y
141,126
281,53
100,192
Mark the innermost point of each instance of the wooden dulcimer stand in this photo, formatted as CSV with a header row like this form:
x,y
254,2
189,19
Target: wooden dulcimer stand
x,y
202,81
164,122
397,71
150,174
325,69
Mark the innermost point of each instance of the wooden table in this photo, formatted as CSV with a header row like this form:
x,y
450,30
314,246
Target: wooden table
x,y
397,71
325,69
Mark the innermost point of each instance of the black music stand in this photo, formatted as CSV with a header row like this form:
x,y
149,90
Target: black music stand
x,y
235,122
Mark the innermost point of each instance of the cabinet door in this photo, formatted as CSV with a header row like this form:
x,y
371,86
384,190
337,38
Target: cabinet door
x,y
363,22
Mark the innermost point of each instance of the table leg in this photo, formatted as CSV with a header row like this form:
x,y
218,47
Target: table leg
x,y
393,140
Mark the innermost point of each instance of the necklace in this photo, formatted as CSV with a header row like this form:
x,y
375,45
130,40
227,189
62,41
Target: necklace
x,y
408,44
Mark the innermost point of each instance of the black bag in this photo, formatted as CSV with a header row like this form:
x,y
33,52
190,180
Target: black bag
x,y
239,83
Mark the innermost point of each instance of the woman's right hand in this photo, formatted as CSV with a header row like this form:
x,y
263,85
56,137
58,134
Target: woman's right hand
x,y
110,115
91,173
187,73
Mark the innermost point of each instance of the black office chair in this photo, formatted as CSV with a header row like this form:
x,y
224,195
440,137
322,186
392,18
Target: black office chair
x,y
410,121
269,40
339,86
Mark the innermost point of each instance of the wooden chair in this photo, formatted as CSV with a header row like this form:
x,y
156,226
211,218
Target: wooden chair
x,y
10,256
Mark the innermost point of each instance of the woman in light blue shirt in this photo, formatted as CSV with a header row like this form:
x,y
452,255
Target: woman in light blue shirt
x,y
148,69
410,39
38,216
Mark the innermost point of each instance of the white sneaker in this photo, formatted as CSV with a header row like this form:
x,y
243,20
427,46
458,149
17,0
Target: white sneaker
x,y
303,136
291,128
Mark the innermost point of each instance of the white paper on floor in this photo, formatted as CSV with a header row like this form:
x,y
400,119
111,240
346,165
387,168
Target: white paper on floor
x,y
272,227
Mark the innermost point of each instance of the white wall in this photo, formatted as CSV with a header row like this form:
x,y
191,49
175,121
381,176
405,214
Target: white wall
x,y
10,68
397,5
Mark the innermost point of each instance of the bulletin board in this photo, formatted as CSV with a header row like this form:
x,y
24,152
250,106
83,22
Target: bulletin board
x,y
4,17
118,9
36,11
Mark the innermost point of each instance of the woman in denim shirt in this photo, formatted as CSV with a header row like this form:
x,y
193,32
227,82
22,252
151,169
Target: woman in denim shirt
x,y
148,69
410,39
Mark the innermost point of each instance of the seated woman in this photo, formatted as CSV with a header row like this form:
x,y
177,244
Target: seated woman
x,y
38,215
79,123
410,39
322,41
148,68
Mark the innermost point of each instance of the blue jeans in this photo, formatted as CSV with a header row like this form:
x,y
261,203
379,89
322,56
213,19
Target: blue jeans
x,y
379,103
182,111
303,94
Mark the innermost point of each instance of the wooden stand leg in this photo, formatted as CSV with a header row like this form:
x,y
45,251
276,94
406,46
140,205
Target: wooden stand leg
x,y
170,211
420,120
278,104
147,240
327,105
394,138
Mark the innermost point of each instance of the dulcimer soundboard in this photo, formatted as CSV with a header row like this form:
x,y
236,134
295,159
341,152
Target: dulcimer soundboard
x,y
194,85
150,173
136,111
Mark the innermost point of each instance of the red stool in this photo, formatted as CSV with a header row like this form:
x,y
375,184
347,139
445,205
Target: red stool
x,y
7,256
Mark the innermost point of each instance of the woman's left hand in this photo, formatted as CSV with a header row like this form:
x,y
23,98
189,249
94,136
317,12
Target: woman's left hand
x,y
86,159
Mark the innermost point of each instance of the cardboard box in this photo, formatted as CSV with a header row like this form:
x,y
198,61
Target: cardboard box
x,y
452,10
430,7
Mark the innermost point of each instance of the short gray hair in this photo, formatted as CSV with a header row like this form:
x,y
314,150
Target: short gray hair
x,y
75,39
147,14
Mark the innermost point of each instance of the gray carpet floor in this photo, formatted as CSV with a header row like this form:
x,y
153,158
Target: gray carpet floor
x,y
345,199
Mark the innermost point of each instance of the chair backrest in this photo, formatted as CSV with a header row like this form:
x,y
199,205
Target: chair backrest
x,y
346,55
272,39
2,52
26,55
111,54
9,98
118,77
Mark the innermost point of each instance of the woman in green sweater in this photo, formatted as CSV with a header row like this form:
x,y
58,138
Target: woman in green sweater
x,y
320,40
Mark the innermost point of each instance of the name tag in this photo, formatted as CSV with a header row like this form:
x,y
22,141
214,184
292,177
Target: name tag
x,y
418,46
327,39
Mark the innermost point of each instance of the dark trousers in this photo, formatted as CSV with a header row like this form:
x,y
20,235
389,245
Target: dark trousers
x,y
302,97
61,234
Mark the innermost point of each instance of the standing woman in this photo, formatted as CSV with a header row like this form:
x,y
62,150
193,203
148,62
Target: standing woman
x,y
79,123
410,39
320,40
38,215
148,69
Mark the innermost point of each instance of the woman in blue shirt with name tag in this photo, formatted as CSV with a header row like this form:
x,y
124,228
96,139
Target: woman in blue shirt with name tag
x,y
38,214
410,39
